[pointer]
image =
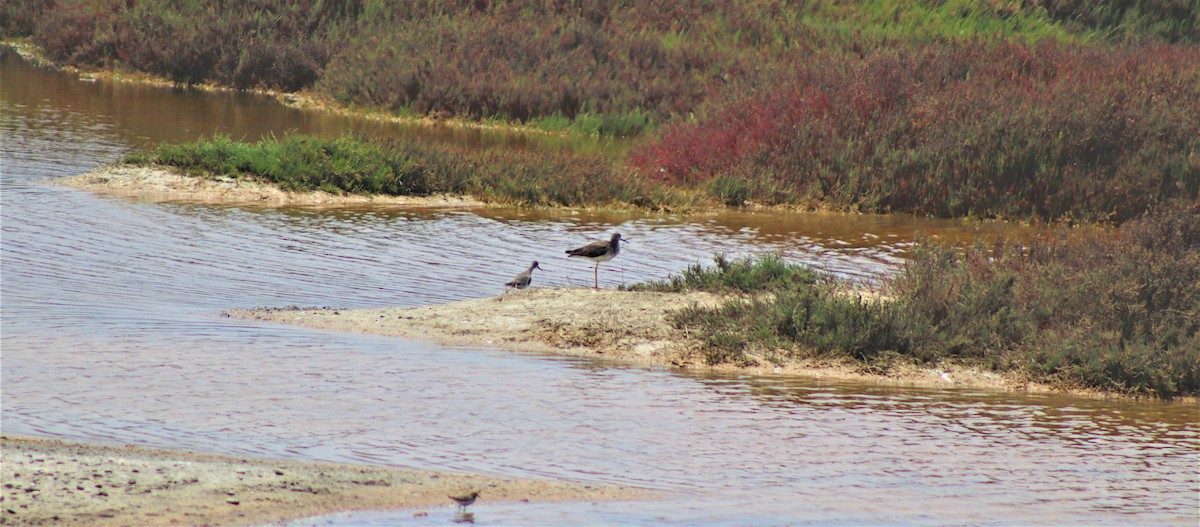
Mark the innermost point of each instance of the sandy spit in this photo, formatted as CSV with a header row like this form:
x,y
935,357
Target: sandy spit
x,y
167,184
629,327
49,482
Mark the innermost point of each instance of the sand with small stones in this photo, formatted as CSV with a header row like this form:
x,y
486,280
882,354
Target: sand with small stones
x,y
48,482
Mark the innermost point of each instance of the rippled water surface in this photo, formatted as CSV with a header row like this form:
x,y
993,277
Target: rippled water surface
x,y
112,333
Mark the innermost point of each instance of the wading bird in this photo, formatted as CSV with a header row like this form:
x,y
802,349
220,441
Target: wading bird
x,y
598,252
523,280
465,500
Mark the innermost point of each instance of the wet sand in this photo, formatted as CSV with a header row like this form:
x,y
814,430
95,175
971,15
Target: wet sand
x,y
49,482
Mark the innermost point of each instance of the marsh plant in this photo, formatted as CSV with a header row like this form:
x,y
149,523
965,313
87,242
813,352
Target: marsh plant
x,y
1111,310
984,129
767,272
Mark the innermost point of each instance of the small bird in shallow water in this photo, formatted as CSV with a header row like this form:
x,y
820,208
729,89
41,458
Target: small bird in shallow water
x,y
465,500
598,252
523,280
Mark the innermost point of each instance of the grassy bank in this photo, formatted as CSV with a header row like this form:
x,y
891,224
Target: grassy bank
x,y
359,165
1114,311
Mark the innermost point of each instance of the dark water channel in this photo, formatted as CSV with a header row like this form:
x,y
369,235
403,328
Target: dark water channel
x,y
112,333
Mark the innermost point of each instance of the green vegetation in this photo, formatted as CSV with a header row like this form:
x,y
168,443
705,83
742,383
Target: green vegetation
x,y
356,164
1112,311
1171,21
298,163
748,275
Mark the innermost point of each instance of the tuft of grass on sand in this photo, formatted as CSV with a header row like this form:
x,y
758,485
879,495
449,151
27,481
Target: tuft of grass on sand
x,y
769,272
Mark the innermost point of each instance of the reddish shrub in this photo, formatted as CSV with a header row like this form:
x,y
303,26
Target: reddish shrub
x,y
985,129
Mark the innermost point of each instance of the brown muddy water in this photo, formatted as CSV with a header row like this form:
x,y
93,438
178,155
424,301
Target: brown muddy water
x,y
112,333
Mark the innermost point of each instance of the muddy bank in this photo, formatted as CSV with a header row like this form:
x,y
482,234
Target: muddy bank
x,y
48,482
158,183
630,327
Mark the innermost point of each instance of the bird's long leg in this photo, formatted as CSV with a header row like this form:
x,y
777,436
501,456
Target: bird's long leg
x,y
596,276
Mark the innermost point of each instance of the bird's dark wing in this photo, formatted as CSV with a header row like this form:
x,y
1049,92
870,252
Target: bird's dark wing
x,y
521,280
590,250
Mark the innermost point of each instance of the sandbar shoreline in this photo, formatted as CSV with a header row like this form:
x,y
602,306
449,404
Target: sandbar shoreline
x,y
631,328
50,482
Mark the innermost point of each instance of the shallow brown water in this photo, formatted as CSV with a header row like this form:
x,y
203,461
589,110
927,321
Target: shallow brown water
x,y
112,333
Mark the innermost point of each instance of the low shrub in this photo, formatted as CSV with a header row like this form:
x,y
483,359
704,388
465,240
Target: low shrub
x,y
769,272
20,19
1167,20
987,129
1117,311
80,34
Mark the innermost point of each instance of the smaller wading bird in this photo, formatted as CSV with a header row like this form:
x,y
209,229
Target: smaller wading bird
x,y
598,252
523,280
465,500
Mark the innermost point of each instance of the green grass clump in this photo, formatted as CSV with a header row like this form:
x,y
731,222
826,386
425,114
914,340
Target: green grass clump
x,y
815,317
299,163
1112,311
768,272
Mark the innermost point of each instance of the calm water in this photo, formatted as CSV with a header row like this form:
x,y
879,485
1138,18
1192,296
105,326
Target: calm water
x,y
112,333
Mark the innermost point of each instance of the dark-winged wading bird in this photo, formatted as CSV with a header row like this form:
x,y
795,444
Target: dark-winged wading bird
x,y
465,500
523,280
598,252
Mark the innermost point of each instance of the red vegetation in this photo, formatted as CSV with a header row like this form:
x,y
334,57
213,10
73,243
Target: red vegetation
x,y
983,129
